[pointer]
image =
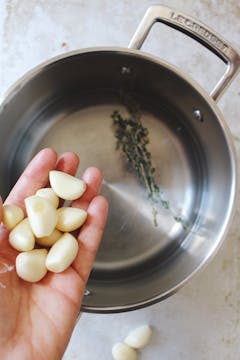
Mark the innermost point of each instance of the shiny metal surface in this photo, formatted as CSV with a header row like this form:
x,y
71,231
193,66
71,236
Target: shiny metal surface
x,y
198,31
66,104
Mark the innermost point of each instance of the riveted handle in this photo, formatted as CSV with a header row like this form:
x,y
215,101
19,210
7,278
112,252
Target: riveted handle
x,y
196,30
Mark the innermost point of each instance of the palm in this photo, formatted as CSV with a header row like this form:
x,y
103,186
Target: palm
x,y
37,319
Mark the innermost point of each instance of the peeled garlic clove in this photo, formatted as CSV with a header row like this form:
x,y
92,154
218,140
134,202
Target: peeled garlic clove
x,y
70,219
62,253
139,337
51,239
49,194
66,186
121,351
30,265
21,237
12,215
42,215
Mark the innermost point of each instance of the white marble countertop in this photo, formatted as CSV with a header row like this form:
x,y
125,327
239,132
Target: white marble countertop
x,y
201,321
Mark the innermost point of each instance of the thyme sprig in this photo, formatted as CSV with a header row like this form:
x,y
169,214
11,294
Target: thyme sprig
x,y
133,139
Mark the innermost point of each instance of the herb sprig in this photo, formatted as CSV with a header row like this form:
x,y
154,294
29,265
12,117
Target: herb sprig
x,y
133,139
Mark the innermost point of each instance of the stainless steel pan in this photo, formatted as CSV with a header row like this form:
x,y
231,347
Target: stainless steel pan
x,y
66,103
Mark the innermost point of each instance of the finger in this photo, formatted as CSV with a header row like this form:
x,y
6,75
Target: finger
x,y
68,162
34,177
1,209
90,236
7,252
93,178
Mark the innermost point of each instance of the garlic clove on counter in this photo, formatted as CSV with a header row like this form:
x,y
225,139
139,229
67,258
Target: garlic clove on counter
x,y
139,337
121,351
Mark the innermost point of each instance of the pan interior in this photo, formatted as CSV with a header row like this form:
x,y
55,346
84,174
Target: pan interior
x,y
132,242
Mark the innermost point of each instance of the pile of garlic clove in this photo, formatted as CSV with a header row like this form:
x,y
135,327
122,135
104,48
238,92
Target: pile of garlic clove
x,y
44,237
137,339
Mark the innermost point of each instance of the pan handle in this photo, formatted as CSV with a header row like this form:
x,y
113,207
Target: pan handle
x,y
196,30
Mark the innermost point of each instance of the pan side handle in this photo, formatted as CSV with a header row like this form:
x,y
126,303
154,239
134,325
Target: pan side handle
x,y
196,30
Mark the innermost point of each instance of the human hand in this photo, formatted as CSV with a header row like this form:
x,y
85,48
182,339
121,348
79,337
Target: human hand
x,y
37,319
